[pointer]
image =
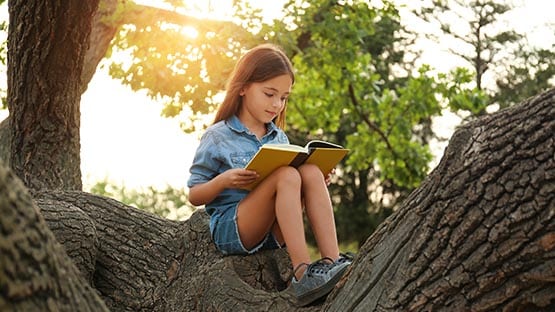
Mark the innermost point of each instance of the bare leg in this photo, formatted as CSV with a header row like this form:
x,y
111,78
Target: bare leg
x,y
319,210
276,199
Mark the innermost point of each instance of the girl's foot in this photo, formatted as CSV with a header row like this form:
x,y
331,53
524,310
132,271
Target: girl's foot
x,y
318,280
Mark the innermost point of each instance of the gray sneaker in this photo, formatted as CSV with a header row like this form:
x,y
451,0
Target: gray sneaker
x,y
317,281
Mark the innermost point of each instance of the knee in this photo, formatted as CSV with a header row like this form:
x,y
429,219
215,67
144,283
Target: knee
x,y
310,172
289,176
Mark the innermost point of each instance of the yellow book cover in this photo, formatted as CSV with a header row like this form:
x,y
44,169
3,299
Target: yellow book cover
x,y
269,157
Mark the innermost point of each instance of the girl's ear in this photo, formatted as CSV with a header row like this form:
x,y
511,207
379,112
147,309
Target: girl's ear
x,y
243,90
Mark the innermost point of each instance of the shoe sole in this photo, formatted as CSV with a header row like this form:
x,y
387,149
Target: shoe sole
x,y
320,292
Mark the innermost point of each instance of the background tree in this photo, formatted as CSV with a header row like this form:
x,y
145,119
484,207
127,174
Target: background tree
x,y
180,60
479,33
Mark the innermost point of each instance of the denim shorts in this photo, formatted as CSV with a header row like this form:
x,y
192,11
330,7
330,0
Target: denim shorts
x,y
226,235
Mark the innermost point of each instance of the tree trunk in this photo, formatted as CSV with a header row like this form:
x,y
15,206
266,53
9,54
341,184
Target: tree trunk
x,y
47,42
477,235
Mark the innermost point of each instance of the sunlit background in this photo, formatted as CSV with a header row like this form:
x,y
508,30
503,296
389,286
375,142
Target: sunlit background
x,y
126,141
124,138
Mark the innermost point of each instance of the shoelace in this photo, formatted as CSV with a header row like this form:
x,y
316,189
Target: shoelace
x,y
319,266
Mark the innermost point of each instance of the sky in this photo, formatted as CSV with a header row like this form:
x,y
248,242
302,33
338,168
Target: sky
x,y
125,140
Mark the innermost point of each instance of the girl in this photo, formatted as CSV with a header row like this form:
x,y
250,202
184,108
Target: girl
x,y
271,215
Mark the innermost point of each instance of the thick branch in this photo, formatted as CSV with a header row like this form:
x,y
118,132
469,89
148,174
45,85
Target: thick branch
x,y
35,272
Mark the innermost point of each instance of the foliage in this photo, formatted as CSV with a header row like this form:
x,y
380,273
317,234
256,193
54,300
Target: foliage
x,y
487,45
170,202
526,78
179,60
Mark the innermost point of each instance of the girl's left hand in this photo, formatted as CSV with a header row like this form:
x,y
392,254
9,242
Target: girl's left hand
x,y
328,177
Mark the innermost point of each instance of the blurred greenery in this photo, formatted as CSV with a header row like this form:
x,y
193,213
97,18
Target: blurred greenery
x,y
357,86
169,202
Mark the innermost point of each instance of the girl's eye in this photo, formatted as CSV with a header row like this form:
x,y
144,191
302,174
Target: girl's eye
x,y
268,94
283,99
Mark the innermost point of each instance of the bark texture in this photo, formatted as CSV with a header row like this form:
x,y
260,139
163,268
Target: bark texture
x,y
146,263
479,234
47,41
103,30
35,272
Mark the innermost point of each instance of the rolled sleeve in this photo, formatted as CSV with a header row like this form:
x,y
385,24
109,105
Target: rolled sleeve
x,y
205,163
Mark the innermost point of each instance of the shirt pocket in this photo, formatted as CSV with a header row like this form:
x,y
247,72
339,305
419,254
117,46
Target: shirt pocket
x,y
241,159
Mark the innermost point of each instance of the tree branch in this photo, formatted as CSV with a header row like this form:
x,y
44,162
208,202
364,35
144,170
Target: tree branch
x,y
136,14
372,125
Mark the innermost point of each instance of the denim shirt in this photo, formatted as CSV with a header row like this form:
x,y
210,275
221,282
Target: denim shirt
x,y
225,145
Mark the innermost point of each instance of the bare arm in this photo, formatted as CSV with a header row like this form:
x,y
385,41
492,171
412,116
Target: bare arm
x,y
204,193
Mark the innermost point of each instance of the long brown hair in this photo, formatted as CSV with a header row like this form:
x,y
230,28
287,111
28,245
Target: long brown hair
x,y
261,63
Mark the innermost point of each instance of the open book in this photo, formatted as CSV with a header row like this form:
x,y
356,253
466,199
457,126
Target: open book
x,y
269,157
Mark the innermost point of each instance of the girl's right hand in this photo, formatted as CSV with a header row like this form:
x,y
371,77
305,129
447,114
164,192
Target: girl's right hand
x,y
239,177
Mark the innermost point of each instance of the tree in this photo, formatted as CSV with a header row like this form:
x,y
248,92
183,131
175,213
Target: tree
x,y
477,235
43,96
484,219
480,38
35,271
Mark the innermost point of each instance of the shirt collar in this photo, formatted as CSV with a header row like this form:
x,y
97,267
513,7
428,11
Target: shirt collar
x,y
236,125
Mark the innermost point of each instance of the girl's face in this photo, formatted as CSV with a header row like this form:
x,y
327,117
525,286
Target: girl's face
x,y
263,101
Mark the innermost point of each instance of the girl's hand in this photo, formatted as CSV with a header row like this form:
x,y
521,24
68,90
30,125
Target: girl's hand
x,y
239,177
328,177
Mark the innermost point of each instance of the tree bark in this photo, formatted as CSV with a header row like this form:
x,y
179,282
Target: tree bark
x,y
47,41
35,272
147,263
477,235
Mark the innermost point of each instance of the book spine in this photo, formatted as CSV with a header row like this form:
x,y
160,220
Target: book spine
x,y
298,160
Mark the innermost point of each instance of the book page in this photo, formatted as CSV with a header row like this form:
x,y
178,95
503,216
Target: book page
x,y
287,147
323,144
